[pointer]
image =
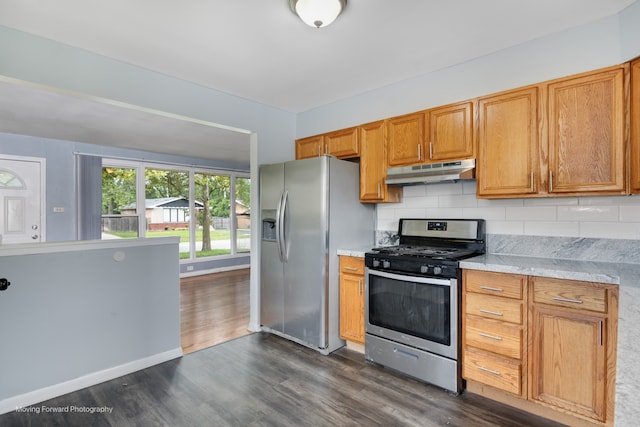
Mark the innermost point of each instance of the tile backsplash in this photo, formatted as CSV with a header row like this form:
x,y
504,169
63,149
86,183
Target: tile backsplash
x,y
609,217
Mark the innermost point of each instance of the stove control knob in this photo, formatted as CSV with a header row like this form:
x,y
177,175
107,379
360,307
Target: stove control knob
x,y
386,264
376,263
437,270
424,269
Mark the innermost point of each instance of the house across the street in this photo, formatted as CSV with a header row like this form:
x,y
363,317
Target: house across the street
x,y
167,213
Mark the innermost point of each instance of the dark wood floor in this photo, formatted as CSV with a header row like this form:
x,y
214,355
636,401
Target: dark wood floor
x,y
263,380
213,308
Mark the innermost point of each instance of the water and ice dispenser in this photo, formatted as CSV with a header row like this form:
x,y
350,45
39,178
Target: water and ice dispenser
x,y
268,225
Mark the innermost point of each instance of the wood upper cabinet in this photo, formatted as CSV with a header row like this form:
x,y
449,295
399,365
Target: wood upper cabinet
x,y
438,134
573,346
312,146
635,126
352,299
449,133
580,150
586,133
373,165
406,140
341,143
508,144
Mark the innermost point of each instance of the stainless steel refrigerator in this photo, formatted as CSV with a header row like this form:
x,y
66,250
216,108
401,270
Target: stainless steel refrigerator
x,y
308,209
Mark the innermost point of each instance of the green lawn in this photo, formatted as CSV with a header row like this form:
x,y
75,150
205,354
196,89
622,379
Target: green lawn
x,y
184,237
183,234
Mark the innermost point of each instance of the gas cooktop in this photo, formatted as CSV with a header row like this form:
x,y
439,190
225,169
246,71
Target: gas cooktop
x,y
425,252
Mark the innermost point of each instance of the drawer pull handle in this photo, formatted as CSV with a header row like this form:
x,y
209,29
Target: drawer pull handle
x,y
493,313
491,371
351,268
489,288
493,337
574,301
405,354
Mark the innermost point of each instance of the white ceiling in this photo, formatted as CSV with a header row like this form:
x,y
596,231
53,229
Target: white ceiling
x,y
259,50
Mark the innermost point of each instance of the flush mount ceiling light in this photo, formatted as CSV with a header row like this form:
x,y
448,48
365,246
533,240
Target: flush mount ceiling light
x,y
317,13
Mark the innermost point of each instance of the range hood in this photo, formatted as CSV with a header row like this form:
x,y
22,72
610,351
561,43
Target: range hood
x,y
451,171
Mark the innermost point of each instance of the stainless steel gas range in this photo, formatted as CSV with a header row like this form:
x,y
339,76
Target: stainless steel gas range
x,y
412,298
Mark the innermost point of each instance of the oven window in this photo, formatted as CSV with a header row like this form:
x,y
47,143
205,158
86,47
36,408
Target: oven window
x,y
418,309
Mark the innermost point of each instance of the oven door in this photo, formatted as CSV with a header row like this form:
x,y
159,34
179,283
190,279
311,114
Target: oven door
x,y
421,312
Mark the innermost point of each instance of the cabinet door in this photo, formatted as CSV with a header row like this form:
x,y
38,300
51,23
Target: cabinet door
x,y
406,139
635,126
450,134
568,360
373,165
508,144
586,133
312,146
342,143
352,301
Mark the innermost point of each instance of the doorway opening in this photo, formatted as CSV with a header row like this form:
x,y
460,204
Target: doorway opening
x,y
214,308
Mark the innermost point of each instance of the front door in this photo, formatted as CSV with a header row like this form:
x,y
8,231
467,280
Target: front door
x,y
21,200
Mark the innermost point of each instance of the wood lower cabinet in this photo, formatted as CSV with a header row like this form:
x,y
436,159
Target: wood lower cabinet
x,y
352,299
494,325
560,362
635,126
573,340
373,165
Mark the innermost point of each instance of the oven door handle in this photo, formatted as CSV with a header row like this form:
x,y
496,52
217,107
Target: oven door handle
x,y
406,277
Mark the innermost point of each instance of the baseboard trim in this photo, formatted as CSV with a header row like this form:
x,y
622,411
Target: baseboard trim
x,y
46,393
214,270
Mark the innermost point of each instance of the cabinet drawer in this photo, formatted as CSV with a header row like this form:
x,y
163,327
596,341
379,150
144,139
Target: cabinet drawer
x,y
351,265
570,293
497,337
500,284
505,309
495,371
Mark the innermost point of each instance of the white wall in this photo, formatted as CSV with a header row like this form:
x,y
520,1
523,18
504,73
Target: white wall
x,y
38,60
80,313
614,217
584,48
630,31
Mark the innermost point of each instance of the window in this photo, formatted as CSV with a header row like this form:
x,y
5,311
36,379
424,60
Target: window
x,y
195,205
167,211
119,209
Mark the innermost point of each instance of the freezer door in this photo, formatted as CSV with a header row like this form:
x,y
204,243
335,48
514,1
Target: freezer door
x,y
305,272
271,268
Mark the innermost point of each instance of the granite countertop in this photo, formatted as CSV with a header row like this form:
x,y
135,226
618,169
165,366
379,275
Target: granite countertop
x,y
590,271
356,252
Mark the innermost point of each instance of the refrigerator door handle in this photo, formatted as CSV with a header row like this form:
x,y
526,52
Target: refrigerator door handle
x,y
282,238
279,227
